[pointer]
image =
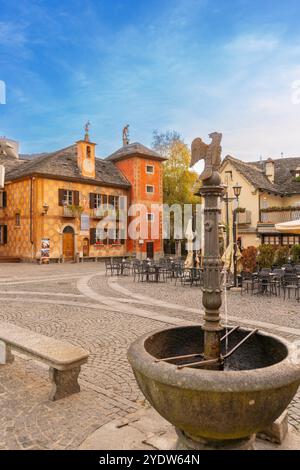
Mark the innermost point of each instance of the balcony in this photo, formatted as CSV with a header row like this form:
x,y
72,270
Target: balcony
x,y
69,213
279,216
100,213
244,218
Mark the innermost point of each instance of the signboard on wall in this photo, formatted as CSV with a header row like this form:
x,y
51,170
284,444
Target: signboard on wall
x,y
45,249
84,222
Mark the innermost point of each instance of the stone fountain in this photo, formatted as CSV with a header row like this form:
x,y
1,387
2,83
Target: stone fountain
x,y
217,386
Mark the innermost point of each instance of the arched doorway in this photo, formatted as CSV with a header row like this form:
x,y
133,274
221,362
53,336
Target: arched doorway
x,y
86,247
68,243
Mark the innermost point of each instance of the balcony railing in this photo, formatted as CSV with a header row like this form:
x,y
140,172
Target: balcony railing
x,y
68,212
244,218
99,213
277,217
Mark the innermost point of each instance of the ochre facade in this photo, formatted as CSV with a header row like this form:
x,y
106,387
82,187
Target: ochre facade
x,y
34,213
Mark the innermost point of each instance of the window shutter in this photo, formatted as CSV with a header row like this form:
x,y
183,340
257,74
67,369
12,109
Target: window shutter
x,y
92,236
4,199
122,202
4,234
92,200
61,197
111,200
104,198
76,198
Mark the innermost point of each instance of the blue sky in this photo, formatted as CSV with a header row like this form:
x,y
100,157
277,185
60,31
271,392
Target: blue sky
x,y
194,66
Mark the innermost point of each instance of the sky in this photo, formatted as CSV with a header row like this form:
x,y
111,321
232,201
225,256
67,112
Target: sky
x,y
194,66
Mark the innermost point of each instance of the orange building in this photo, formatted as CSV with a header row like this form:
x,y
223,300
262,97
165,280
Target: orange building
x,y
52,205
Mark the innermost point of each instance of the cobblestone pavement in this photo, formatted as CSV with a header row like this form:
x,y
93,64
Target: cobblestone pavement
x,y
78,304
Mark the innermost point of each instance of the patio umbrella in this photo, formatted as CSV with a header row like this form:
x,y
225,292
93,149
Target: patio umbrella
x,y
289,227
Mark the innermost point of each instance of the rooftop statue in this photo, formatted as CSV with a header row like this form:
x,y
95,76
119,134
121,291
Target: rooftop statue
x,y
126,135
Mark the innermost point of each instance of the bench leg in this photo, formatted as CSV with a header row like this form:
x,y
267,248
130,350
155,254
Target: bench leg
x,y
6,356
64,382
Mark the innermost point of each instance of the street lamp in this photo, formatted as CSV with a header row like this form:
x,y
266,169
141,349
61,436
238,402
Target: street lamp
x,y
237,192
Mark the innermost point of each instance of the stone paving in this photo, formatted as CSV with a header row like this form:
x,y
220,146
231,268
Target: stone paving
x,y
78,304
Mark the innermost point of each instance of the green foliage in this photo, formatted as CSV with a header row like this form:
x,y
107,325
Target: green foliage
x,y
76,210
297,179
280,209
281,255
295,252
179,180
265,256
249,259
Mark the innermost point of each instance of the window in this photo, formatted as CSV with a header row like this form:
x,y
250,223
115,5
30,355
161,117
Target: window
x,y
228,176
88,151
150,217
2,199
18,220
3,234
68,198
150,169
113,201
149,189
97,201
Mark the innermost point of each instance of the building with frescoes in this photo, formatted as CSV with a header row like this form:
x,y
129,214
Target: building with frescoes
x,y
51,205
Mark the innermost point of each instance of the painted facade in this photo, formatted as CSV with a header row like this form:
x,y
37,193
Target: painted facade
x,y
260,193
57,214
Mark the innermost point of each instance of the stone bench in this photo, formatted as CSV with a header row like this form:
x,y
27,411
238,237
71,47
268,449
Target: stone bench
x,y
64,360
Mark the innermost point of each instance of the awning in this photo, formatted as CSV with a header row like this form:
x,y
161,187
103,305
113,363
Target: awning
x,y
289,227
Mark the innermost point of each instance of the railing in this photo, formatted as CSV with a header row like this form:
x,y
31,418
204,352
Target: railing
x,y
98,213
244,218
67,212
277,217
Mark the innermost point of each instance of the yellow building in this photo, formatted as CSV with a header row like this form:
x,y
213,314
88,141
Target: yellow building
x,y
270,194
51,205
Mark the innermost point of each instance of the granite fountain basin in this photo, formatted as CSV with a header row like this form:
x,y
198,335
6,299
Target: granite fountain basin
x,y
257,384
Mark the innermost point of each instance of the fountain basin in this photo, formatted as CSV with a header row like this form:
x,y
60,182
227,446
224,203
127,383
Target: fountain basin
x,y
255,387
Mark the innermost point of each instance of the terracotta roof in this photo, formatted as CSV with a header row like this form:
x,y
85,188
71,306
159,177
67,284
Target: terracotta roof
x,y
132,150
63,164
254,172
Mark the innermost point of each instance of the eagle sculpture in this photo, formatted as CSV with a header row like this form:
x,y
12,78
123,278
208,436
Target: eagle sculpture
x,y
211,153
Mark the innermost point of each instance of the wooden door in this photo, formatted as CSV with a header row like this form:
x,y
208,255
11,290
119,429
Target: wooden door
x,y
68,246
150,250
86,247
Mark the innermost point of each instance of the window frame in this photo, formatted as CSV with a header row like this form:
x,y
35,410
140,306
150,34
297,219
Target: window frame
x,y
66,198
150,172
150,186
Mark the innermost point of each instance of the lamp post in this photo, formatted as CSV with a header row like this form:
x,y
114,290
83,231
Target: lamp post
x,y
237,192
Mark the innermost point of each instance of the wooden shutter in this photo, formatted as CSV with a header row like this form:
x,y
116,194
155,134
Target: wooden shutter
x,y
76,198
104,199
4,234
4,199
92,236
61,193
92,201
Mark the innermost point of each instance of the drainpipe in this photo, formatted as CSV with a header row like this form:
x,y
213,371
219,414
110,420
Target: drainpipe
x,y
31,216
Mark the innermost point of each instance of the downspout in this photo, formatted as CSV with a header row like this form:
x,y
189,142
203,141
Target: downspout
x,y
31,216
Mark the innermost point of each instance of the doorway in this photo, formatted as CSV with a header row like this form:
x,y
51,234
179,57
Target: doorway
x,y
68,243
150,250
86,247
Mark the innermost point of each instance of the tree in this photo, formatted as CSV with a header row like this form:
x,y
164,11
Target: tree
x,y
178,181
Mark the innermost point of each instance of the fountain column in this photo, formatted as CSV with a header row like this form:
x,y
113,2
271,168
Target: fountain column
x,y
211,191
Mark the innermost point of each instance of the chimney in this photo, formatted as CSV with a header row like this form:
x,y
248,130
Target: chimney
x,y
270,170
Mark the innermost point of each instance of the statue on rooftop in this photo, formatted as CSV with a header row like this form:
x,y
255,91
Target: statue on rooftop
x,y
126,135
211,153
87,128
